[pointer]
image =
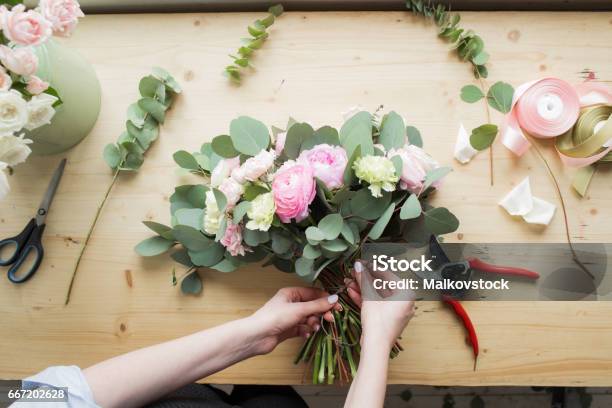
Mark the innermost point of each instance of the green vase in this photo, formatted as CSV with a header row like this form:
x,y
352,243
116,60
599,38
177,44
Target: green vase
x,y
77,84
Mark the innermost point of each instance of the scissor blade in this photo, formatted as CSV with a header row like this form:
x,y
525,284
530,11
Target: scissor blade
x,y
48,197
436,253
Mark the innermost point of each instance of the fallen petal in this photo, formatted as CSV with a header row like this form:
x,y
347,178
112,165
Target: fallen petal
x,y
541,213
519,201
463,148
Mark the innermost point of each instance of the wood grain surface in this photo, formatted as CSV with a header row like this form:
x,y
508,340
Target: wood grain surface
x,y
314,66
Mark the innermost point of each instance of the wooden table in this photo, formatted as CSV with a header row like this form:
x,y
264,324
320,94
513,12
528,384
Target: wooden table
x,y
314,66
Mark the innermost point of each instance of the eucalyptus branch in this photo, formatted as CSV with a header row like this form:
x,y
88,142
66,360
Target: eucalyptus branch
x,y
468,45
142,129
258,36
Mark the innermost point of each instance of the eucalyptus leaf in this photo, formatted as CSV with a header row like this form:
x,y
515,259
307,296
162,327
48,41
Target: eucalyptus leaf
x,y
411,208
348,234
254,238
331,225
324,135
182,256
281,242
483,136
314,235
370,208
414,136
249,135
357,131
210,255
112,156
240,210
156,227
335,245
500,97
153,246
185,160
253,190
303,267
191,238
440,221
224,147
192,217
156,109
220,199
471,94
136,115
225,266
379,227
276,10
296,135
398,164
188,196
392,132
148,86
311,252
191,284
349,173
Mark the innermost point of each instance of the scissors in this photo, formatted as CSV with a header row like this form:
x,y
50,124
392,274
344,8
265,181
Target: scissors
x,y
29,239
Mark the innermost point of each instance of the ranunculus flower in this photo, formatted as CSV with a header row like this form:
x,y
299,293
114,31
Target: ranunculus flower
x,y
232,240
261,212
24,27
13,112
40,110
294,189
327,162
378,171
62,14
415,165
232,190
4,184
20,60
14,149
36,85
279,145
212,215
5,80
223,170
254,167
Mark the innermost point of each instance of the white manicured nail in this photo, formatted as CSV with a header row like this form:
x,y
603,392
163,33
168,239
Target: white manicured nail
x,y
358,267
332,299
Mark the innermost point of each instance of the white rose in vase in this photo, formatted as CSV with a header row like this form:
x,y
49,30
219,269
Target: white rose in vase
x,y
4,185
14,149
13,112
40,110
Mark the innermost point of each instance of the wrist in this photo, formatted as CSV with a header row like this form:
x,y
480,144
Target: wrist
x,y
378,340
247,335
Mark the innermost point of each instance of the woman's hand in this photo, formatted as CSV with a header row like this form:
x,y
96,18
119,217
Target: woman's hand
x,y
382,320
292,312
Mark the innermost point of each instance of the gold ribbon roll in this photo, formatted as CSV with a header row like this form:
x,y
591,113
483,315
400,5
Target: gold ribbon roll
x,y
586,139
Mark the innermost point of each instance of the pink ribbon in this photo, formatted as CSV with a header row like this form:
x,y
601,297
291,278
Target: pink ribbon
x,y
547,108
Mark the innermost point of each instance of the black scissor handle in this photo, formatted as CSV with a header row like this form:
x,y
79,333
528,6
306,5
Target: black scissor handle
x,y
19,241
32,244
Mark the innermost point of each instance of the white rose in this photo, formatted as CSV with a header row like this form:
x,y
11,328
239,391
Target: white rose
x,y
20,60
232,191
212,215
13,112
40,110
222,170
4,185
14,149
254,167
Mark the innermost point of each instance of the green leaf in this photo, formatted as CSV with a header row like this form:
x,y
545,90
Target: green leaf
x,y
392,132
303,267
192,217
156,109
311,252
153,246
357,131
256,31
224,147
324,135
220,199
276,10
481,58
440,221
281,242
191,284
481,71
254,238
349,173
248,135
191,238
148,86
398,164
267,21
185,160
159,229
136,115
411,208
483,136
314,235
225,266
471,94
379,227
414,136
370,208
188,196
112,156
500,97
296,135
335,245
182,256
348,234
145,136
435,175
253,190
209,255
240,210
331,225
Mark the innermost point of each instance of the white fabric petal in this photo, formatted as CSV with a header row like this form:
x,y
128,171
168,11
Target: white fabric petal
x,y
463,148
4,184
519,201
541,213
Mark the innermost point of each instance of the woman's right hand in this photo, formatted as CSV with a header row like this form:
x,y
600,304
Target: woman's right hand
x,y
382,321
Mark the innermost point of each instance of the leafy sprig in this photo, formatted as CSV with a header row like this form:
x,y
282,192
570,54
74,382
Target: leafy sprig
x,y
468,45
258,35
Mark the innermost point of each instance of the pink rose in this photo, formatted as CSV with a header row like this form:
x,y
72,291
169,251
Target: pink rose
x,y
327,162
5,80
36,85
232,191
415,165
280,143
223,170
62,14
254,167
232,240
24,27
21,61
293,189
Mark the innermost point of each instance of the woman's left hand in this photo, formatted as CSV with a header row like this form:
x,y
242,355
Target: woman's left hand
x,y
292,312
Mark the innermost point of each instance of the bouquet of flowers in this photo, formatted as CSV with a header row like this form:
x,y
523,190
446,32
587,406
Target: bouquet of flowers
x,y
26,101
305,202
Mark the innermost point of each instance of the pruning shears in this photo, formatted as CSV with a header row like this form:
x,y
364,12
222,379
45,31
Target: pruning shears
x,y
444,269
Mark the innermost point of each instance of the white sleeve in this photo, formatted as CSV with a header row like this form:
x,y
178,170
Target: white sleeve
x,y
70,377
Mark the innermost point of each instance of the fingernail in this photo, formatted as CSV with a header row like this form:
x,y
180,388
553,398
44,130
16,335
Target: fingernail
x,y
358,267
332,299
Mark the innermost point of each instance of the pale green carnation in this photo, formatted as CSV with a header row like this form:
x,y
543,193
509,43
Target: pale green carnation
x,y
261,212
378,171
212,215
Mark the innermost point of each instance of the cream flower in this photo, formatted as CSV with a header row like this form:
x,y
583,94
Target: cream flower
x,y
40,110
212,215
232,190
254,167
4,185
378,171
261,212
14,149
13,112
5,80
